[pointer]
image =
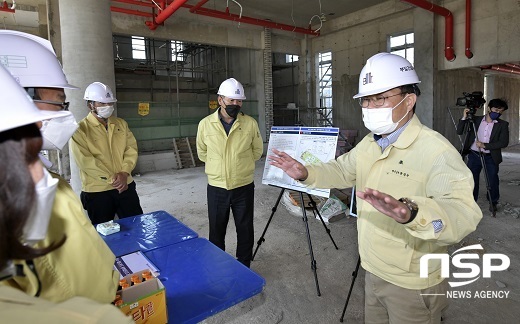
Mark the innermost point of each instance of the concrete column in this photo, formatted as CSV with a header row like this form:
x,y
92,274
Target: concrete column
x,y
489,88
306,75
61,158
425,63
87,54
268,83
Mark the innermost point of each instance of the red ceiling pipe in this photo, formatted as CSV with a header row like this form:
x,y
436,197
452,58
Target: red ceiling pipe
x,y
198,5
252,21
469,54
6,8
449,52
175,4
503,68
136,3
506,67
516,66
165,13
131,12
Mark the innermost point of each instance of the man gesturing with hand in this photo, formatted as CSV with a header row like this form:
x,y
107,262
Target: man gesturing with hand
x,y
414,195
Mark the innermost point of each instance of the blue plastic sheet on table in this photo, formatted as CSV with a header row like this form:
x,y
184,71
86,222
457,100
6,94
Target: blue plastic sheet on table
x,y
147,232
201,280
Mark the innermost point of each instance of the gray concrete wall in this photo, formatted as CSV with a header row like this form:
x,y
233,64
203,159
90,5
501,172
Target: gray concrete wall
x,y
353,38
187,27
507,88
495,33
424,58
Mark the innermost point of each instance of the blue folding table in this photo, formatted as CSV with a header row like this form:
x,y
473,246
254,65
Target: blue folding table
x,y
147,232
200,279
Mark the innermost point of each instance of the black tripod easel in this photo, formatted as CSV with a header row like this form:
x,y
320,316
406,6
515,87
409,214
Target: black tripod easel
x,y
312,203
354,276
353,212
474,128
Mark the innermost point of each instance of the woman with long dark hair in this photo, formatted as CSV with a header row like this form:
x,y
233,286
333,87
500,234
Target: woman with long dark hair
x,y
26,197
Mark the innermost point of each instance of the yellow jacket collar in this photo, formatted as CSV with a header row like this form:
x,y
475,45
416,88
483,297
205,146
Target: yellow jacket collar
x,y
92,119
216,116
408,135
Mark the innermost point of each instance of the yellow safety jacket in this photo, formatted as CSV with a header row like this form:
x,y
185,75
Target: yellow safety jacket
x,y
421,165
101,153
82,266
230,159
18,307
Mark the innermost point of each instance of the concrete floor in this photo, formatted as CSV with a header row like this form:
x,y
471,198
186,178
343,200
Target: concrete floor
x,y
290,294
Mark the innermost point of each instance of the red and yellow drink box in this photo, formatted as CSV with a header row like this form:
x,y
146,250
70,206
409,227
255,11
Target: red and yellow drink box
x,y
143,298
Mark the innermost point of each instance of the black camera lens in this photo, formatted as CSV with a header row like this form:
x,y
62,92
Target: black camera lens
x,y
473,101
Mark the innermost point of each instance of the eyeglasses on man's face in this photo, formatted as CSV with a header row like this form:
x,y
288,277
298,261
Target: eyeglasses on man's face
x,y
229,101
378,100
63,105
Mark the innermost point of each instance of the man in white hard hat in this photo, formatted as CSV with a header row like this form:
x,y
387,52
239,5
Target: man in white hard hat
x,y
32,61
106,154
26,196
229,142
414,195
62,273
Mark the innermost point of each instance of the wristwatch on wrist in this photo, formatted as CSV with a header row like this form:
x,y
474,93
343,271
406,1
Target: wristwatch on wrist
x,y
412,206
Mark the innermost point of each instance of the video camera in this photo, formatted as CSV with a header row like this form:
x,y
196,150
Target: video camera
x,y
473,101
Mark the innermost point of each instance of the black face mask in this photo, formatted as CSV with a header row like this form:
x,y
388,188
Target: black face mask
x,y
232,110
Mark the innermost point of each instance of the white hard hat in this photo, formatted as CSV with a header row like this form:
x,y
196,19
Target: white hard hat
x,y
232,89
385,71
31,60
16,107
99,92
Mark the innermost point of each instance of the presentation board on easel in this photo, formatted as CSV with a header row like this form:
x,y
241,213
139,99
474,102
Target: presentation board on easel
x,y
308,145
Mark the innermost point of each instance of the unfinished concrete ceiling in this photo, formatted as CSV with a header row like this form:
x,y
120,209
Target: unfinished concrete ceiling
x,y
298,13
291,12
290,15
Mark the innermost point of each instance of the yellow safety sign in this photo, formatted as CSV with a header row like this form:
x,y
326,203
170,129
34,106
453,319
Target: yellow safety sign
x,y
143,108
213,104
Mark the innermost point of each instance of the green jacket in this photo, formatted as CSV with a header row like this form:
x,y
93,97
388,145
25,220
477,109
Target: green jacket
x,y
421,165
82,266
101,153
230,159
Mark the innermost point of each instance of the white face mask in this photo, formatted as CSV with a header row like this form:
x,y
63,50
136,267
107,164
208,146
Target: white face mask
x,y
57,131
379,120
36,226
105,111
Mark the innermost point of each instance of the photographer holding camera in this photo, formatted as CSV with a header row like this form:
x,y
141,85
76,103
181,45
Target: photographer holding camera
x,y
492,136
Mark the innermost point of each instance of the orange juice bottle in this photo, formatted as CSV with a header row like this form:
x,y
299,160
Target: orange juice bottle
x,y
135,280
147,275
121,283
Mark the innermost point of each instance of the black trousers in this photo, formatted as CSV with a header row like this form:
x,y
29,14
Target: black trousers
x,y
241,202
103,206
475,165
